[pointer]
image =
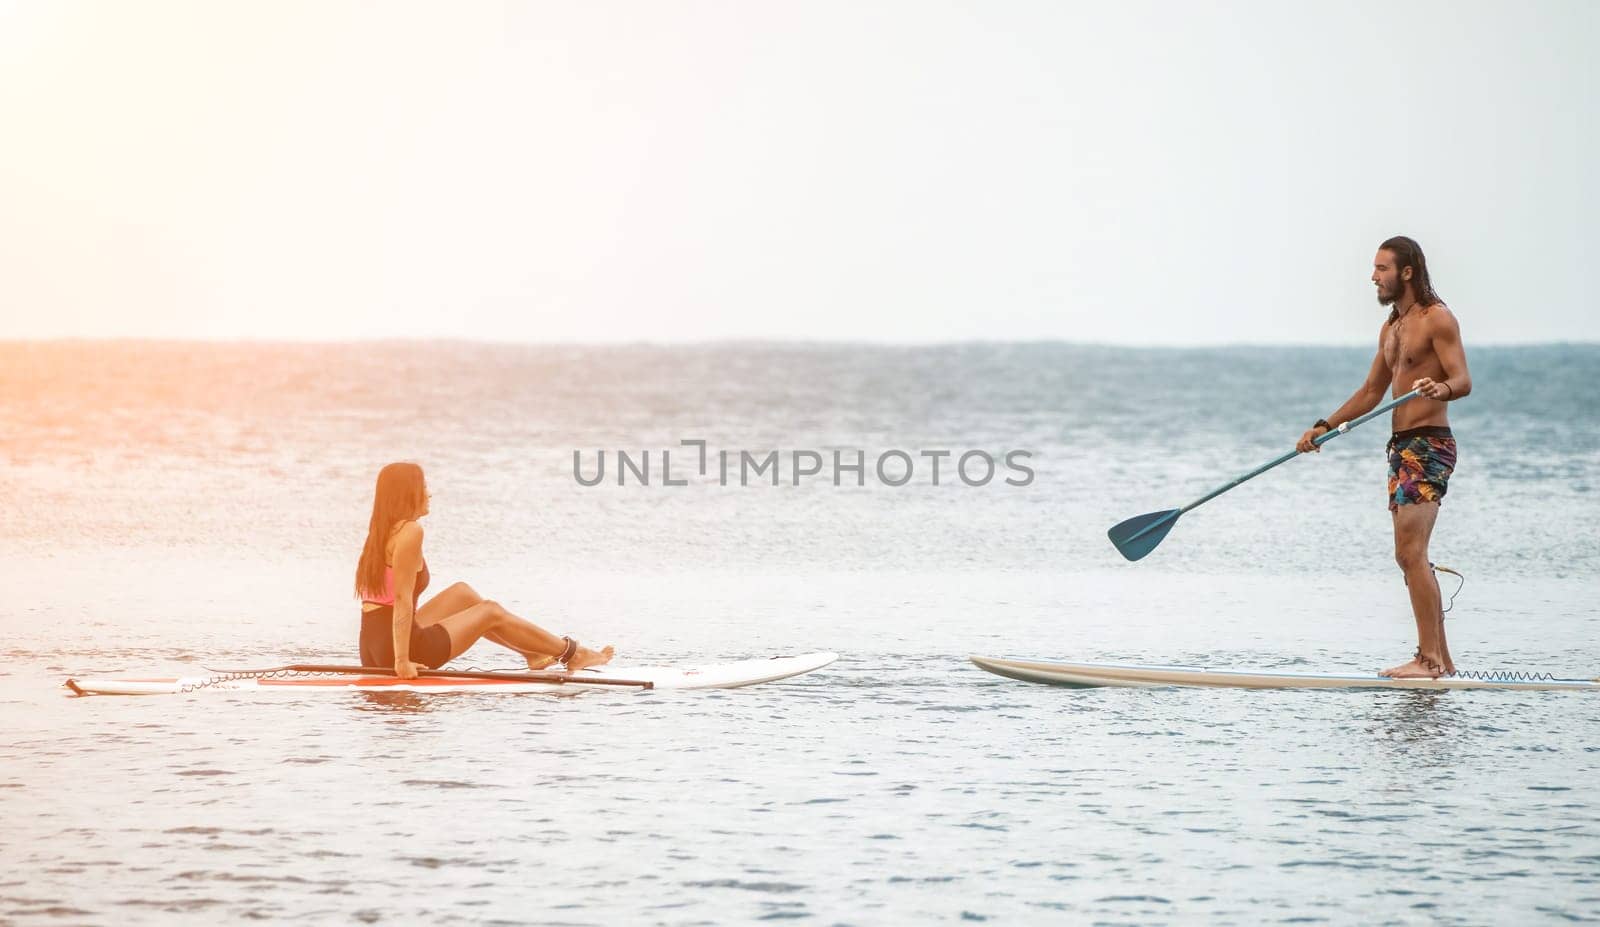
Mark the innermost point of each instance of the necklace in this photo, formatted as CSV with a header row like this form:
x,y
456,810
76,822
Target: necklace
x,y
1396,316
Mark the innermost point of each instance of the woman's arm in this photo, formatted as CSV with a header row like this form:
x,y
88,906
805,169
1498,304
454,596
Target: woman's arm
x,y
407,561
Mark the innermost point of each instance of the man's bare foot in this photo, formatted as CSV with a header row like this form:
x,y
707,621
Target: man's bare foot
x,y
537,662
1409,664
1421,666
586,658
1412,670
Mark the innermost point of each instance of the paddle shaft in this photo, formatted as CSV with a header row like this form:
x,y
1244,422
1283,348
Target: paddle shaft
x,y
1319,441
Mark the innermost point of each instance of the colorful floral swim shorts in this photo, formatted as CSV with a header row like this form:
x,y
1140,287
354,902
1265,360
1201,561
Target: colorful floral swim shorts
x,y
1420,463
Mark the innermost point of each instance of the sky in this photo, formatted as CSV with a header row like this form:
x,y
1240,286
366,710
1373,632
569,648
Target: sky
x,y
1130,173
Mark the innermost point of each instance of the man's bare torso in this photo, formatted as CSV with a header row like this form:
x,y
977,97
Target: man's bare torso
x,y
1409,352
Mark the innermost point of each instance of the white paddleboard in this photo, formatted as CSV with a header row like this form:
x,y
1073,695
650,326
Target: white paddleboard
x,y
1088,675
705,676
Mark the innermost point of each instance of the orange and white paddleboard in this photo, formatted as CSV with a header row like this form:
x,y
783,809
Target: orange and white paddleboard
x,y
287,679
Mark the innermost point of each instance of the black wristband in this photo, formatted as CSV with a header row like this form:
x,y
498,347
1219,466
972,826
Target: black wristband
x,y
1452,389
1322,423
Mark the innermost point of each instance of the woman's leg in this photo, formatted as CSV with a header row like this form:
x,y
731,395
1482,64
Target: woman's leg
x,y
458,597
488,618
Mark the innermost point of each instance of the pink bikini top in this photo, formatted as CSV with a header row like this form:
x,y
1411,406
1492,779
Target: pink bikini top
x,y
388,587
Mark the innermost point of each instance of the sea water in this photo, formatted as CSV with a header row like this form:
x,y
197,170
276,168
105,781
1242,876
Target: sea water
x,y
172,506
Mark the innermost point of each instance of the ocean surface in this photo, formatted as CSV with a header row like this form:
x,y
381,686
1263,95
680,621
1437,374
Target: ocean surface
x,y
172,506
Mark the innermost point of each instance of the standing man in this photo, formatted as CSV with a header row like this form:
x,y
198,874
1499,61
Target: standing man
x,y
1419,347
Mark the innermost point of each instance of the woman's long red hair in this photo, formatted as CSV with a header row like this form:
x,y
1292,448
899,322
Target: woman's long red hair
x,y
398,498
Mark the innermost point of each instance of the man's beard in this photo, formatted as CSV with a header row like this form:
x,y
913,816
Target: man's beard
x,y
1386,298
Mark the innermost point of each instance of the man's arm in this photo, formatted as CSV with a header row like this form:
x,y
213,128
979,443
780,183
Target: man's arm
x,y
1369,395
1457,381
1365,399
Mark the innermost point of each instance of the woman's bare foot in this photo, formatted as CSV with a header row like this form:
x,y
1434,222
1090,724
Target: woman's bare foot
x,y
586,658
539,661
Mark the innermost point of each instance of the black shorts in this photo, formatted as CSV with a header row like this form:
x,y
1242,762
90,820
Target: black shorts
x,y
430,646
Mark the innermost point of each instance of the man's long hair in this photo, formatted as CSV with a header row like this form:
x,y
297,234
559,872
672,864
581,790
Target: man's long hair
x,y
1407,253
398,498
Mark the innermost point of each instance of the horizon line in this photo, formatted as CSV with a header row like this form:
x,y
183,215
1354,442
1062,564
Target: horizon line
x,y
745,341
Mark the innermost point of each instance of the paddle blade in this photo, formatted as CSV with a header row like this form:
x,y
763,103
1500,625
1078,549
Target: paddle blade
x,y
1140,534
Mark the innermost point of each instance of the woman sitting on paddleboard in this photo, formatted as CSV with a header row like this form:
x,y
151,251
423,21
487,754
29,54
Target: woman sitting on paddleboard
x,y
392,575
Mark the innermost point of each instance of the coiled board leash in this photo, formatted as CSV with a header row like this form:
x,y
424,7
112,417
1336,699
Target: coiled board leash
x,y
1461,581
